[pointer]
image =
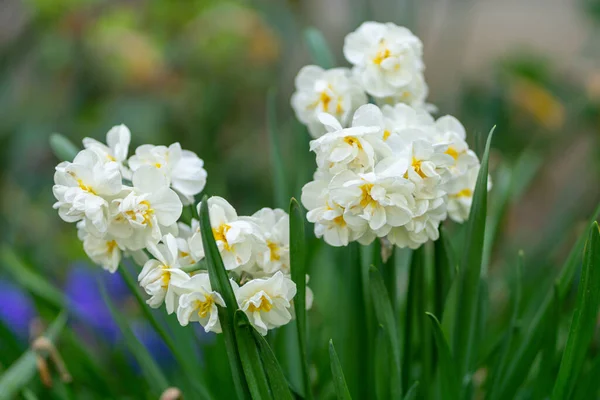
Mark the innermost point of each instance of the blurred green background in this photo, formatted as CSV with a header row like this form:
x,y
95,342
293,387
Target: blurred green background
x,y
199,71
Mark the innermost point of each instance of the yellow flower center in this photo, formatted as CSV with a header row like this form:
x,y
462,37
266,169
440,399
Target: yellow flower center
x,y
325,99
416,165
111,245
274,248
381,56
352,141
110,158
464,193
265,305
452,152
366,198
147,213
339,221
204,306
386,134
85,187
220,234
166,276
157,165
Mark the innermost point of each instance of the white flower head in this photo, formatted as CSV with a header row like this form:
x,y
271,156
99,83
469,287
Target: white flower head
x,y
423,227
356,148
198,303
146,212
82,188
274,226
266,302
161,277
183,170
414,93
450,131
103,251
332,91
386,57
185,234
460,194
115,149
237,239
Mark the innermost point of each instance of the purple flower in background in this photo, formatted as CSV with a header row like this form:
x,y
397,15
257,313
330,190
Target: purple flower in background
x,y
152,341
17,309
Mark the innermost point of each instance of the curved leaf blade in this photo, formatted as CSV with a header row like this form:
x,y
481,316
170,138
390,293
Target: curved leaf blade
x,y
277,380
450,384
62,147
318,48
339,381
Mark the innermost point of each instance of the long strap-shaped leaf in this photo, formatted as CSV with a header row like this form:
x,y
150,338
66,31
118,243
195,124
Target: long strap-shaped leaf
x,y
339,381
584,319
412,392
219,282
385,316
23,370
277,380
529,347
470,271
251,363
318,48
450,385
298,270
62,147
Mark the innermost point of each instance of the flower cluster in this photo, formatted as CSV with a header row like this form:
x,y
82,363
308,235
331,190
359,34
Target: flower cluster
x,y
389,171
132,206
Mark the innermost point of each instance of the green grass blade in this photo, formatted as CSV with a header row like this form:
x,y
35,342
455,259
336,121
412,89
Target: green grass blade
x,y
341,388
524,356
416,264
298,270
503,358
584,319
279,177
385,316
470,271
318,48
154,376
220,282
256,377
62,147
589,384
445,270
18,375
29,279
277,380
449,382
548,364
381,367
412,392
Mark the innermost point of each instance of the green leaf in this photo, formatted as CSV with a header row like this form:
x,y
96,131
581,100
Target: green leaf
x,y
62,147
385,316
277,381
341,388
25,368
251,363
279,181
318,48
524,356
154,376
445,270
584,319
504,351
298,270
416,263
548,365
412,392
219,282
185,361
449,381
470,271
29,279
381,369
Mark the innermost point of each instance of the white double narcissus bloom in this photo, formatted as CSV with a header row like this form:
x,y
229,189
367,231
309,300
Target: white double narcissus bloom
x,y
185,234
460,194
354,148
274,226
104,252
413,94
332,91
383,202
450,131
162,275
83,187
198,302
183,169
237,239
266,302
115,149
329,217
386,58
148,211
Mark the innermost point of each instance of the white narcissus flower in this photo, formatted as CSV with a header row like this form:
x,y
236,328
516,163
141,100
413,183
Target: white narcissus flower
x,y
413,94
185,234
428,168
423,227
460,194
274,226
161,277
198,302
355,148
238,240
183,169
450,131
146,212
82,188
329,217
266,302
382,202
115,149
103,251
332,91
386,58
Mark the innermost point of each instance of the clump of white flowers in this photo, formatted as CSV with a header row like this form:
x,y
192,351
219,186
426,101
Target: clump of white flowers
x,y
390,171
132,207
